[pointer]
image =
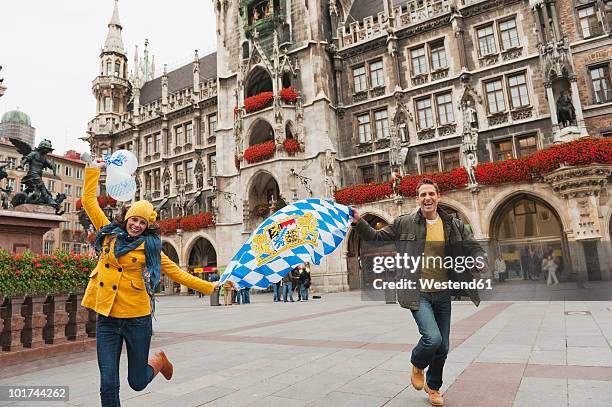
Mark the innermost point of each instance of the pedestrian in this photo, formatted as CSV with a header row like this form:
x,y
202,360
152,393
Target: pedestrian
x,y
246,295
525,263
227,292
431,231
277,291
549,265
237,294
304,282
121,289
287,287
535,264
500,269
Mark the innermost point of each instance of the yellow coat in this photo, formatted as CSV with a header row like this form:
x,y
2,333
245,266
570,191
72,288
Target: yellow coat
x,y
116,287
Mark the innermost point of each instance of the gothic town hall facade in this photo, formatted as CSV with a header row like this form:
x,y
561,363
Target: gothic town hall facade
x,y
304,98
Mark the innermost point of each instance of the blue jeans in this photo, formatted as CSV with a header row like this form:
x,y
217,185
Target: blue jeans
x,y
288,288
303,292
276,288
246,296
433,319
237,296
110,333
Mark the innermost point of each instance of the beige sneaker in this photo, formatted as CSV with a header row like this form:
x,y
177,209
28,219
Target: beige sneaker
x,y
435,398
417,378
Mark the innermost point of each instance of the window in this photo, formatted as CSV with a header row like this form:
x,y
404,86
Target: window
x,y
601,84
444,105
367,174
78,191
359,79
450,159
116,105
424,114
66,247
212,124
189,172
438,56
51,185
157,143
509,34
495,96
381,121
588,22
189,133
48,248
519,96
109,68
419,63
178,173
107,104
212,164
148,145
76,248
68,189
527,145
68,171
147,179
384,172
10,183
79,173
67,207
179,135
363,128
156,180
502,150
117,68
12,163
377,77
486,40
429,163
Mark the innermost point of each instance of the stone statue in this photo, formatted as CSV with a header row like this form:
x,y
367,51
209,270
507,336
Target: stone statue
x,y
470,117
4,193
566,114
470,162
36,192
330,185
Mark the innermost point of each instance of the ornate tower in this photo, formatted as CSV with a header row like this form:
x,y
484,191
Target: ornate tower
x,y
111,87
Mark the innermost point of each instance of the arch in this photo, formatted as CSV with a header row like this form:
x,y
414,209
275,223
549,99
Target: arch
x,y
290,130
286,79
260,132
201,252
117,68
171,251
264,197
258,81
462,211
523,229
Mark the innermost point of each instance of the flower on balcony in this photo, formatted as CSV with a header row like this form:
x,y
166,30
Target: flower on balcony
x,y
289,95
187,223
258,102
259,152
291,146
579,152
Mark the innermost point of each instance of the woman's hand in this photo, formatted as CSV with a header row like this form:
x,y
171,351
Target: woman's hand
x,y
97,162
215,285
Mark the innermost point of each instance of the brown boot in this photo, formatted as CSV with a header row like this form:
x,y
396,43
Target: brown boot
x,y
417,378
435,398
160,363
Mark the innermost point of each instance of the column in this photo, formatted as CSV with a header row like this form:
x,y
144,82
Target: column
x,y
552,107
577,106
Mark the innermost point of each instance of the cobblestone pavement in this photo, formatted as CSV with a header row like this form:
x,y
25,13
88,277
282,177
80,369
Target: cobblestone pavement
x,y
342,351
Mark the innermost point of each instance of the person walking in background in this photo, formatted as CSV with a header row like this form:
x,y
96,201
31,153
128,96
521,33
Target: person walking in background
x,y
277,291
246,295
535,264
237,294
549,265
304,282
500,269
227,292
525,263
288,287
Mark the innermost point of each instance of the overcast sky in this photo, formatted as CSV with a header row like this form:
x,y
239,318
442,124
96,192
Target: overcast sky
x,y
50,51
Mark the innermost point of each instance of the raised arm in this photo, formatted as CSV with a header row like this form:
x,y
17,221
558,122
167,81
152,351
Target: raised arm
x,y
89,200
173,271
368,233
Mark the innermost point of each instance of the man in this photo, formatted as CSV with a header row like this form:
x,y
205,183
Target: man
x,y
500,269
432,232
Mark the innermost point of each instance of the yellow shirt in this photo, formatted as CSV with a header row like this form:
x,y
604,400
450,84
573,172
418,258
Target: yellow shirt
x,y
116,287
433,261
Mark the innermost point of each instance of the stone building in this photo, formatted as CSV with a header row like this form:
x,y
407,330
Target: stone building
x,y
17,124
363,89
70,236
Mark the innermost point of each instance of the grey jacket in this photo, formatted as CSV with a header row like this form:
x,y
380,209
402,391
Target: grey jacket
x,y
408,232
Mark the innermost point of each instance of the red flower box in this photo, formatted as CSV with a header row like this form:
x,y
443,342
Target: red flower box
x,y
258,102
579,152
289,95
187,223
291,146
259,152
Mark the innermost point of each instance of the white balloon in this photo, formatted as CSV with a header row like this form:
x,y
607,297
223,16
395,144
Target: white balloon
x,y
119,185
128,161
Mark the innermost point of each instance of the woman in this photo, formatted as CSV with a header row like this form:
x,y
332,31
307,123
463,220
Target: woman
x,y
304,282
121,286
550,265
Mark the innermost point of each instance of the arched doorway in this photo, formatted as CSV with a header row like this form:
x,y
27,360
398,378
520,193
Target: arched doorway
x,y
260,132
167,285
359,252
202,258
258,81
264,199
524,230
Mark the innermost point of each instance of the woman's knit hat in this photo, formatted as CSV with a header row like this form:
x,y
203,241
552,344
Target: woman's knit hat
x,y
144,209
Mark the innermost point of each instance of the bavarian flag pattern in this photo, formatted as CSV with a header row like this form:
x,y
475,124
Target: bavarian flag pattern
x,y
304,231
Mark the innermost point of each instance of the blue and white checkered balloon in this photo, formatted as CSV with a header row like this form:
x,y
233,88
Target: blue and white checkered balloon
x,y
304,231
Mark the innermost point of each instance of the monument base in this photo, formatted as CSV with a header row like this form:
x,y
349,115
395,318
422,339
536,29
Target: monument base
x,y
22,228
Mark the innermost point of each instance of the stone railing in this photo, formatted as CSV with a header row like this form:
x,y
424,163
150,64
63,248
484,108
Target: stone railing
x,y
30,322
406,14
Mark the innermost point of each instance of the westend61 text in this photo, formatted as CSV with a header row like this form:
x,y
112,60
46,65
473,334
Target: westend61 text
x,y
411,263
430,284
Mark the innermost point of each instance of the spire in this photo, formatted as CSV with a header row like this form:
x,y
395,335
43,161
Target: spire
x,y
114,42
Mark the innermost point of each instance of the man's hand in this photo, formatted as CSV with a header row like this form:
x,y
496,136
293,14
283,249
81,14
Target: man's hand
x,y
356,215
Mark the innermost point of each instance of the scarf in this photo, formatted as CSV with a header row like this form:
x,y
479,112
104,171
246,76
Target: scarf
x,y
124,244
